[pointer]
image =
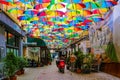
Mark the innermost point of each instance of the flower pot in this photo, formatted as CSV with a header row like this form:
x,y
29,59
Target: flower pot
x,y
13,77
22,71
78,70
18,72
49,63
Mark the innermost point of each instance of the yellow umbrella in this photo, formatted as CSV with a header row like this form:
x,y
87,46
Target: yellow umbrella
x,y
56,6
35,18
15,11
85,1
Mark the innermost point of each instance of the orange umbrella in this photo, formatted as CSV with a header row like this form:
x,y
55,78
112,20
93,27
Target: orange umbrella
x,y
75,6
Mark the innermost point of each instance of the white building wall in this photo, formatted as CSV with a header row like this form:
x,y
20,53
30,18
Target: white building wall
x,y
116,29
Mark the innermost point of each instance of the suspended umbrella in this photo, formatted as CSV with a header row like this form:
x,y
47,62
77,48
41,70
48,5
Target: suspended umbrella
x,y
99,12
60,13
11,1
43,1
23,18
26,2
28,6
51,13
41,6
103,10
43,13
85,1
50,23
107,4
96,19
77,29
96,11
87,21
74,6
84,27
56,6
15,11
4,2
66,40
31,12
92,5
35,18
72,13
85,13
58,29
77,1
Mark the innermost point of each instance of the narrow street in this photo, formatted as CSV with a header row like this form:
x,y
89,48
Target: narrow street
x,y
51,73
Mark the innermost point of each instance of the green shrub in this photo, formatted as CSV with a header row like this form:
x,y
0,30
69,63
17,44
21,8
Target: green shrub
x,y
10,64
22,62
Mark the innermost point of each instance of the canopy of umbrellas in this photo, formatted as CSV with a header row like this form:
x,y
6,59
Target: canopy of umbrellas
x,y
58,22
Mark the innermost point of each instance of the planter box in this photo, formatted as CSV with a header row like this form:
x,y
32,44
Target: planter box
x,y
111,68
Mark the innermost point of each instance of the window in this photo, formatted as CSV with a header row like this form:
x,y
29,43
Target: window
x,y
11,39
12,43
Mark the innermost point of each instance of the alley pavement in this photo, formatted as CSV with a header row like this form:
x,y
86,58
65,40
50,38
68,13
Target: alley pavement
x,y
51,73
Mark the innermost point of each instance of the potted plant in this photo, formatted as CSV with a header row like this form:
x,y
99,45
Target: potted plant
x,y
49,58
10,65
79,61
22,62
87,62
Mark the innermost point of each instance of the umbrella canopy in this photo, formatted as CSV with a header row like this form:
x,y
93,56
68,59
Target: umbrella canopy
x,y
58,22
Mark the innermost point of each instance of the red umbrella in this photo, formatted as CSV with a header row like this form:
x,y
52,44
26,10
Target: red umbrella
x,y
43,1
41,6
4,2
38,6
96,11
77,29
60,13
43,13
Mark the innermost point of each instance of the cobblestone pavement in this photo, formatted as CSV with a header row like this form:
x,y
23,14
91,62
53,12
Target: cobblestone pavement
x,y
51,73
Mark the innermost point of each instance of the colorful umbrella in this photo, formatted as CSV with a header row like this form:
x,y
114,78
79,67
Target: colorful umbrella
x,y
26,2
41,6
43,1
74,6
31,12
15,11
56,6
4,2
23,18
11,1
92,5
43,13
96,19
58,22
106,4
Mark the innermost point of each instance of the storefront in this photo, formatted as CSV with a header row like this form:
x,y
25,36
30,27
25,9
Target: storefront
x,y
36,49
10,36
